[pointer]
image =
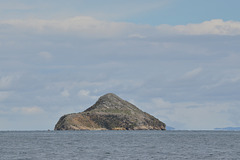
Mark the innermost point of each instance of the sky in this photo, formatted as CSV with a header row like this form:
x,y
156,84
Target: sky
x,y
178,60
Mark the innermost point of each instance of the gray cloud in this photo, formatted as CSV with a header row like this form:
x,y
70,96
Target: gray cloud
x,y
63,66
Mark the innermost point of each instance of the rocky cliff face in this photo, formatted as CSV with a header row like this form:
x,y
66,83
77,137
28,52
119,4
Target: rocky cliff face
x,y
110,113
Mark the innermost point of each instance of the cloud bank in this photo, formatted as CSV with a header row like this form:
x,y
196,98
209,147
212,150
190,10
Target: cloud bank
x,y
91,27
178,73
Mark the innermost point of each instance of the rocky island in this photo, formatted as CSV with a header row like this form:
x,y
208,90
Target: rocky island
x,y
110,112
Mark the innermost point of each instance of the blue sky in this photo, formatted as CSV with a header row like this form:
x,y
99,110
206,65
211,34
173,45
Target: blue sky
x,y
175,59
172,12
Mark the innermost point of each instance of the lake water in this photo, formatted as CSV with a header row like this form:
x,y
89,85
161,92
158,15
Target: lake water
x,y
114,145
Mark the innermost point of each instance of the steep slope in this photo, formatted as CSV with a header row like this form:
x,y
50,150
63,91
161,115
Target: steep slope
x,y
110,112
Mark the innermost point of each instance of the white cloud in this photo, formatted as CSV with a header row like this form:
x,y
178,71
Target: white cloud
x,y
161,103
134,61
65,93
91,27
80,25
28,110
192,73
215,27
83,93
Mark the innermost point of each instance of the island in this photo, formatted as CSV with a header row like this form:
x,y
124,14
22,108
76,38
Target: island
x,y
110,112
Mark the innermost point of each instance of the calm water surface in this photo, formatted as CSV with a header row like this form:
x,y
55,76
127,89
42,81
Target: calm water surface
x,y
78,145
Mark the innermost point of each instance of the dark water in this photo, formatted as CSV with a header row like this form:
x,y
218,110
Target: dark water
x,y
78,145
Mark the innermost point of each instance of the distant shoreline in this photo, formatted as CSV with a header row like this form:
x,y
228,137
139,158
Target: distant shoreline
x,y
228,129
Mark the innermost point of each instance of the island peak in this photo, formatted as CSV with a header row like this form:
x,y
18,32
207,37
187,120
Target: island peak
x,y
110,112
